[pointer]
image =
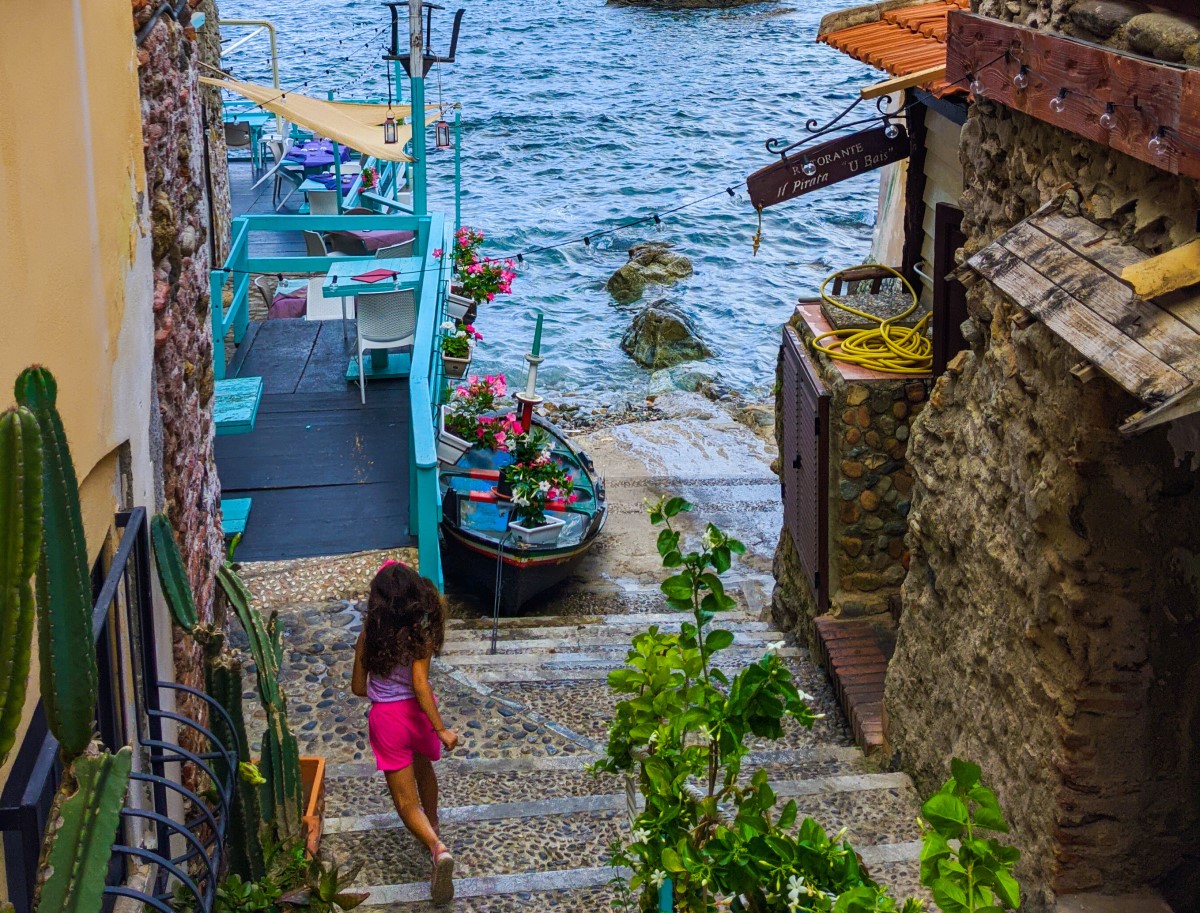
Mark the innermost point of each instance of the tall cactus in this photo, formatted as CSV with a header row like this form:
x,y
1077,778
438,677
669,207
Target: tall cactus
x,y
223,681
283,792
80,835
172,574
64,589
20,545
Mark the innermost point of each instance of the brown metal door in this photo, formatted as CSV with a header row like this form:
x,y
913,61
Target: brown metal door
x,y
804,463
949,296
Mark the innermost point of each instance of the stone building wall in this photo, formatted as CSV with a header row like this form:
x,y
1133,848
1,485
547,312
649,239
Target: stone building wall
x,y
1050,610
183,353
869,489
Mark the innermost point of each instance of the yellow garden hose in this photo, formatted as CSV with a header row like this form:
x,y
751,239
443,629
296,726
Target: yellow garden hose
x,y
886,347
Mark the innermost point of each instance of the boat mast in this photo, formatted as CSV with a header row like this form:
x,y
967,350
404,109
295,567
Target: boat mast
x,y
528,398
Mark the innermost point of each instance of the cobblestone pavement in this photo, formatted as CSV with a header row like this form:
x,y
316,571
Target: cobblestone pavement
x,y
529,826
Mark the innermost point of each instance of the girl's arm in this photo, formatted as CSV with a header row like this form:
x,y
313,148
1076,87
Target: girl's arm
x,y
420,680
358,679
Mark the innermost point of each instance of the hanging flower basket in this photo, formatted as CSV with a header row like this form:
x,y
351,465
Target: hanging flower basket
x,y
449,445
544,534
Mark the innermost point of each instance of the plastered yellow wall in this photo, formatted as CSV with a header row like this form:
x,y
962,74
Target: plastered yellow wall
x,y
75,278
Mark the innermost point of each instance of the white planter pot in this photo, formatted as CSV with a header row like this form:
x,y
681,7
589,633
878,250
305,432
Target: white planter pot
x,y
459,307
457,367
537,535
449,445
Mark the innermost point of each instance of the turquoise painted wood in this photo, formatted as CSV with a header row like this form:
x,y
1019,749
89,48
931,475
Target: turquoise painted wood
x,y
235,404
457,168
235,513
397,364
419,142
340,282
666,896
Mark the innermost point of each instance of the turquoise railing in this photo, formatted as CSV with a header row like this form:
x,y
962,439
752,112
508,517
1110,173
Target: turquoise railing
x,y
432,232
390,178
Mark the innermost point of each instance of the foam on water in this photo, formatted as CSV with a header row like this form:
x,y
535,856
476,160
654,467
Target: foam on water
x,y
580,116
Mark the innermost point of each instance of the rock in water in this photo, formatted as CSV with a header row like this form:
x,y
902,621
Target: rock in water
x,y
650,263
662,336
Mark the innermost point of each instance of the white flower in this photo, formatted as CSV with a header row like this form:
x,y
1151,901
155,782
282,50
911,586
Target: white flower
x,y
705,733
708,540
543,485
461,334
448,325
639,836
775,646
657,879
520,500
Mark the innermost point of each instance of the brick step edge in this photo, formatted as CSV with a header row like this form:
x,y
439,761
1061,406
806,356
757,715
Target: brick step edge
x,y
855,663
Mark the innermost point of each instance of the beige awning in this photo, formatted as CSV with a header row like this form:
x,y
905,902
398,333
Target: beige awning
x,y
355,125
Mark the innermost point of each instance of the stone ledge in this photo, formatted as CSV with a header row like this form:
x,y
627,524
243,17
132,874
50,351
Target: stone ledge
x,y
856,664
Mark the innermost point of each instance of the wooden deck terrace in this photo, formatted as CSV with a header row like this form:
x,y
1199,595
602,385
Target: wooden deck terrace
x,y
324,474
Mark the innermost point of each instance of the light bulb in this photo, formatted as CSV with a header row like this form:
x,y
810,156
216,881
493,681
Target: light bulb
x,y
976,85
1108,120
1156,144
808,168
1021,80
891,131
1059,102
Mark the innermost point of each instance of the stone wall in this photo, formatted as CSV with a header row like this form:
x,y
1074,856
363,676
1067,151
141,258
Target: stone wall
x,y
1050,610
870,487
183,365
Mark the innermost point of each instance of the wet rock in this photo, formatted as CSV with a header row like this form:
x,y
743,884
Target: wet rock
x,y
688,379
650,263
662,336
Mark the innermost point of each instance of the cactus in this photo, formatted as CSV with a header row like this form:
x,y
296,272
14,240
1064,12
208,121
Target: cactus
x,y
172,574
223,677
64,587
81,834
20,545
283,793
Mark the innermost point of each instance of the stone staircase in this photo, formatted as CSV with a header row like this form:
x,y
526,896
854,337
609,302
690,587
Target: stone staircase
x,y
530,827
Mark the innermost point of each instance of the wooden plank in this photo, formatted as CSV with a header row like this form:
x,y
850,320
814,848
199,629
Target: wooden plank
x,y
900,83
1092,74
1185,403
1166,273
1168,339
1122,359
1088,239
1183,306
235,513
279,354
235,404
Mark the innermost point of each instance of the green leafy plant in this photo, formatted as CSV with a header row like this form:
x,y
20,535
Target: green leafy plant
x,y
456,339
976,875
535,478
324,888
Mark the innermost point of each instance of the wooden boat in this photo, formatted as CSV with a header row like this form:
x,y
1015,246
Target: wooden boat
x,y
477,548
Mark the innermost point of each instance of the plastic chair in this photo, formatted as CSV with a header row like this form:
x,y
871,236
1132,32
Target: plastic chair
x,y
293,174
237,135
385,320
315,246
317,303
263,284
396,251
323,202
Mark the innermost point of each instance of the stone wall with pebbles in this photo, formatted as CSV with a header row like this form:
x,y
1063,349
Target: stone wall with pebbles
x,y
870,487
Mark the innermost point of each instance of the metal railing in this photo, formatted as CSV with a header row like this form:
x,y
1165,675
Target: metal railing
x,y
129,711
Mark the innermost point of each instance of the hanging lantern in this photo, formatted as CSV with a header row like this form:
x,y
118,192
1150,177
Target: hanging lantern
x,y
441,133
389,130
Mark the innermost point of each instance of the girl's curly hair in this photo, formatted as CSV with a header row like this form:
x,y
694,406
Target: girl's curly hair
x,y
406,620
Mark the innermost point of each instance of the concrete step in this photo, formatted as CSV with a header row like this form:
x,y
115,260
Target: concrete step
x,y
603,656
638,620
611,630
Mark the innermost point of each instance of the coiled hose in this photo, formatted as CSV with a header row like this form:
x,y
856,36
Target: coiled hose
x,y
885,347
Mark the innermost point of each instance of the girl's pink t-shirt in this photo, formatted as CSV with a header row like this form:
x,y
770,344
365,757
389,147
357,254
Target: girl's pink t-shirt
x,y
396,686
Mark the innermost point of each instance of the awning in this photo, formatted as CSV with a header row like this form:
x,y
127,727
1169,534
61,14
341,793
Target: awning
x,y
899,38
355,125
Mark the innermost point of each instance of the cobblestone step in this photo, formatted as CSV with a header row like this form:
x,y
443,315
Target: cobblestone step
x,y
605,656
639,620
611,631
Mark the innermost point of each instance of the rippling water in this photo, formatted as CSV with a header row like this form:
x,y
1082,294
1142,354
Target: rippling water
x,y
579,116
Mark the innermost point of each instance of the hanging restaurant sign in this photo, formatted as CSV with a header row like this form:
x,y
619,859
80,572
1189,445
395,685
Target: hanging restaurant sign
x,y
819,166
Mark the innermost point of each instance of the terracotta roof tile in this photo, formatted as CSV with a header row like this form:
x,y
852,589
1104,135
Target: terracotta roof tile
x,y
905,41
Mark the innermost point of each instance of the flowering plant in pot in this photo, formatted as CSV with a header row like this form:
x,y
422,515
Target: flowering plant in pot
x,y
537,483
479,279
458,342
497,432
459,419
368,178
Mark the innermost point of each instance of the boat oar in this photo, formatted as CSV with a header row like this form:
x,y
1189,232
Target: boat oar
x,y
488,475
489,497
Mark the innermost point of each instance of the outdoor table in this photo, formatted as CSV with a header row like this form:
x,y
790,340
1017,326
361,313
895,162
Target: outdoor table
x,y
316,154
375,239
339,283
256,120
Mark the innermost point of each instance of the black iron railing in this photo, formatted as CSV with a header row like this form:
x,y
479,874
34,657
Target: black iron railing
x,y
165,825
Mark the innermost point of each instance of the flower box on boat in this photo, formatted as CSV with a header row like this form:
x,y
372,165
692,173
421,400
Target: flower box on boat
x,y
545,534
449,445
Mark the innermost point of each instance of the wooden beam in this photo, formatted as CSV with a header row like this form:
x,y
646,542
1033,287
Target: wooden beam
x,y
900,83
1167,272
1178,406
1148,95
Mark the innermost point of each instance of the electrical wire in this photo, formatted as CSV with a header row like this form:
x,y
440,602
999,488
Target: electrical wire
x,y
885,346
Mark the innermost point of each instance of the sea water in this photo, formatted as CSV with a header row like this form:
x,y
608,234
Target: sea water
x,y
579,116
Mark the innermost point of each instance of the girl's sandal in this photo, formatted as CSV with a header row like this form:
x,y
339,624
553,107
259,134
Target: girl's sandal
x,y
441,882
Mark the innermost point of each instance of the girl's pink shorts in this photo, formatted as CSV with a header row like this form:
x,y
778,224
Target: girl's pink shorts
x,y
398,730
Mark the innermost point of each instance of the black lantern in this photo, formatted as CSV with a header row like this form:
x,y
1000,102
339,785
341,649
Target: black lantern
x,y
389,130
441,133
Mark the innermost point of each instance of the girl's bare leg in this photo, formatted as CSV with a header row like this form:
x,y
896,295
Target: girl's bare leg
x,y
403,787
427,789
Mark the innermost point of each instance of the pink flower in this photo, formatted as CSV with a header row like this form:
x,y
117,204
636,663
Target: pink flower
x,y
491,296
501,437
574,497
473,379
438,253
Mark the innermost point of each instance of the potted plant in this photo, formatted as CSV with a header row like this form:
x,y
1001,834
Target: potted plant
x,y
458,421
368,178
477,279
458,345
538,483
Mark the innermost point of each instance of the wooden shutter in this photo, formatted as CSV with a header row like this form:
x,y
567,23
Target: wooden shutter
x,y
804,463
949,296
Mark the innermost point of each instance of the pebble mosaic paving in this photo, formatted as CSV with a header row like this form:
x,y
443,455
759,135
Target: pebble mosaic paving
x,y
581,900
